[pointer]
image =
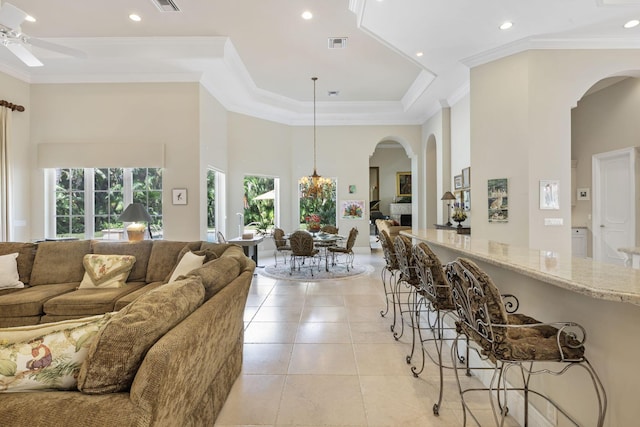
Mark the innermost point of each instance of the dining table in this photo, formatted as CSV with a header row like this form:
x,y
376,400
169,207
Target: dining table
x,y
323,241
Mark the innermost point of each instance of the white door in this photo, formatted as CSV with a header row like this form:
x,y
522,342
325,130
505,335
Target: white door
x,y
613,204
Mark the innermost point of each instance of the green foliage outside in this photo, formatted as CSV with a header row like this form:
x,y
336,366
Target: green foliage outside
x,y
211,199
258,214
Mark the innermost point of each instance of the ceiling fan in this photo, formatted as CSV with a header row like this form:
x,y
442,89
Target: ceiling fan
x,y
12,37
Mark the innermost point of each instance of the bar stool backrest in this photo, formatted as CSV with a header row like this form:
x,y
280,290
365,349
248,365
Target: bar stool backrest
x,y
388,250
404,255
432,279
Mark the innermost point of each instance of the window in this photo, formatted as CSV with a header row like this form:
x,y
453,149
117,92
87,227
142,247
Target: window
x,y
324,204
88,201
259,203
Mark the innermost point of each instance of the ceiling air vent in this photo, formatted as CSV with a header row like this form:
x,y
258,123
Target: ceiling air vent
x,y
337,42
166,5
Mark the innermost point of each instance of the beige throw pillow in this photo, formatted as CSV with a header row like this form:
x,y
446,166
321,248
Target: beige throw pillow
x,y
9,277
189,262
50,360
106,271
122,344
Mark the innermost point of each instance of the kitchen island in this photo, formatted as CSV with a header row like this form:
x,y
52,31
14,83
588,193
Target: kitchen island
x,y
551,286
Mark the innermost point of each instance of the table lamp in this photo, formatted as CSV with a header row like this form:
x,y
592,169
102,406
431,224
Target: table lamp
x,y
136,213
448,196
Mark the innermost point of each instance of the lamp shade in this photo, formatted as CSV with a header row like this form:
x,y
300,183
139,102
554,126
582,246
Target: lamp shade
x,y
448,196
135,212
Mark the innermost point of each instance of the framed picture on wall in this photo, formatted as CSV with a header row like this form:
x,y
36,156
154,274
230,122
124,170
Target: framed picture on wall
x,y
457,182
179,196
549,194
466,177
403,184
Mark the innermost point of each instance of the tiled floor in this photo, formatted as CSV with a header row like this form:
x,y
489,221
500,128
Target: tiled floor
x,y
320,354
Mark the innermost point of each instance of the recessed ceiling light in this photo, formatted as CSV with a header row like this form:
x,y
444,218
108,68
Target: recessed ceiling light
x,y
135,17
30,18
506,25
307,15
419,54
632,23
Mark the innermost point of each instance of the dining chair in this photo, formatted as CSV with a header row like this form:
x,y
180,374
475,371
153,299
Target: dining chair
x,y
346,251
281,245
302,249
518,342
331,229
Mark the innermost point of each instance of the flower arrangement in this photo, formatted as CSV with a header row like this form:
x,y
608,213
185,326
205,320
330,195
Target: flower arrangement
x,y
459,214
313,222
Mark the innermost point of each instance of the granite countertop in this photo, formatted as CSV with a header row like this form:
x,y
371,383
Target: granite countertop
x,y
584,276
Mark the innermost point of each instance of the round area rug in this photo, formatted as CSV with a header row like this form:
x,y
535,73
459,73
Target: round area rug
x,y
336,272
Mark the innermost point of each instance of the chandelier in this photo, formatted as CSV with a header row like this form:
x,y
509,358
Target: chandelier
x,y
314,186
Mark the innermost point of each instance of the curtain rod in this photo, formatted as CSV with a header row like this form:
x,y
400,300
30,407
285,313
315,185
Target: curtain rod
x,y
13,107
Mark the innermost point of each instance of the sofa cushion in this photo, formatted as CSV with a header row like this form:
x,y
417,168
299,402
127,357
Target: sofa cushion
x,y
86,302
26,255
216,274
30,301
130,297
208,254
163,258
59,262
141,250
46,359
224,250
106,271
9,277
8,322
190,261
121,345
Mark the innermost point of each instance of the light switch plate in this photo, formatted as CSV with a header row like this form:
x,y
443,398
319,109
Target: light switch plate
x,y
553,221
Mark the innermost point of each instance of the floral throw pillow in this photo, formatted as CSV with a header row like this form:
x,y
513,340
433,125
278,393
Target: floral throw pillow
x,y
49,361
106,271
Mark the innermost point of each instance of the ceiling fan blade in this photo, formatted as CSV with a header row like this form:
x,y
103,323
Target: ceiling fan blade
x,y
56,47
12,17
24,55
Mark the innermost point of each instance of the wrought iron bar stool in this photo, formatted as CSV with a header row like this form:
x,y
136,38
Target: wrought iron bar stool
x,y
515,341
406,287
391,268
436,306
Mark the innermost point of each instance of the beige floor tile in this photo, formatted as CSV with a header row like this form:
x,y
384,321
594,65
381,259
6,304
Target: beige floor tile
x,y
254,399
267,359
371,332
364,300
292,288
249,312
369,314
322,359
320,400
271,332
325,288
324,300
255,300
278,314
324,314
318,332
278,300
381,359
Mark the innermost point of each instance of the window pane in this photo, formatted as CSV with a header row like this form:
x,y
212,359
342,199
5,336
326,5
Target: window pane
x,y
63,180
62,203
77,225
77,203
78,179
155,203
140,197
62,225
258,206
154,179
324,205
116,179
211,199
101,203
101,181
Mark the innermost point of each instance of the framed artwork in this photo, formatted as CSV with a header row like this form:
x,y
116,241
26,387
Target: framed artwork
x,y
583,194
466,177
457,182
403,184
549,194
352,209
179,196
498,200
466,200
352,189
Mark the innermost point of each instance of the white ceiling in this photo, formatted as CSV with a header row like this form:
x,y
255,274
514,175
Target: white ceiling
x,y
258,56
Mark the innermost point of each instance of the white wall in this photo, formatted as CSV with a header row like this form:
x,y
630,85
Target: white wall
x,y
521,130
604,121
461,149
118,114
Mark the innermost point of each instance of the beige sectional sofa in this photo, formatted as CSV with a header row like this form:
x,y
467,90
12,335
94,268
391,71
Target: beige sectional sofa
x,y
182,378
390,227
